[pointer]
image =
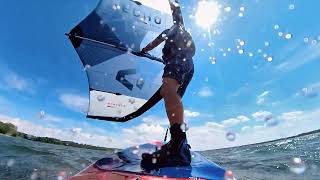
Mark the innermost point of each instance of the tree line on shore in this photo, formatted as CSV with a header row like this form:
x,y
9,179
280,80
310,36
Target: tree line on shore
x,y
12,130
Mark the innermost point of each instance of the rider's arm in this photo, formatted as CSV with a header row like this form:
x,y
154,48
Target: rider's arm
x,y
162,37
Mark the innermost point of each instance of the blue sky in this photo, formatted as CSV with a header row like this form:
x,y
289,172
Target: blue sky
x,y
40,71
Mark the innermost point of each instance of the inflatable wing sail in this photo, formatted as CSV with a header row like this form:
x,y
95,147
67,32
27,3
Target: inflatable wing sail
x,y
123,83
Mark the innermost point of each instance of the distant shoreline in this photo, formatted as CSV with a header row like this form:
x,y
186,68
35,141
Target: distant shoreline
x,y
280,139
11,130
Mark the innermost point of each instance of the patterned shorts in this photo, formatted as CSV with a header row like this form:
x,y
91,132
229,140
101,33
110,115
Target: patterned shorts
x,y
180,70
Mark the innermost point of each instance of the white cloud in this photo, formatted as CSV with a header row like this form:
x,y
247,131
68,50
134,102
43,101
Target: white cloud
x,y
75,102
76,131
142,133
16,82
291,116
243,118
53,118
262,115
205,92
264,94
299,56
206,137
155,120
262,97
231,122
235,121
210,135
191,114
11,80
49,117
215,125
245,128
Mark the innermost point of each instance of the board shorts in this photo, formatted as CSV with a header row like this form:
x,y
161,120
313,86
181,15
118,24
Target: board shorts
x,y
180,70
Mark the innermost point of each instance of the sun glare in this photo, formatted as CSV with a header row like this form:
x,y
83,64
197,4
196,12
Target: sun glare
x,y
207,13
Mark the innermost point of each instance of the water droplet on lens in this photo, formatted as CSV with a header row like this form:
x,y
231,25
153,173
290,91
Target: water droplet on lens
x,y
42,114
100,98
10,162
34,176
242,42
154,160
227,9
87,67
132,101
291,7
213,60
229,175
231,136
288,36
61,175
140,83
184,127
270,58
280,34
135,151
189,43
266,43
297,166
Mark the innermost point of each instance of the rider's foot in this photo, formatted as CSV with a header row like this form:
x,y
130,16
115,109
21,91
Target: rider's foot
x,y
175,153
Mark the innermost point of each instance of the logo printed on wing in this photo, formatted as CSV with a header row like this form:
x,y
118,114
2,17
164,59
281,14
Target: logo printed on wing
x,y
145,17
115,105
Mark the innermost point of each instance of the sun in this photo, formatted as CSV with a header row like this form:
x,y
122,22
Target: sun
x,y
207,13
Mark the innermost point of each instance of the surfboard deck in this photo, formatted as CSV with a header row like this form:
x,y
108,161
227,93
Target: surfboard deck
x,y
125,165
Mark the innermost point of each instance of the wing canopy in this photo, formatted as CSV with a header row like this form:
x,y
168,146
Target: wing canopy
x,y
122,85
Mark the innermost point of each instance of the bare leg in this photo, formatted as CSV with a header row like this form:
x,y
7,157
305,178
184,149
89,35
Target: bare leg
x,y
177,150
172,99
